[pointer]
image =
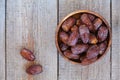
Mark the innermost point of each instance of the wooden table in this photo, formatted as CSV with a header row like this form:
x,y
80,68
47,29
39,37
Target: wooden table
x,y
32,24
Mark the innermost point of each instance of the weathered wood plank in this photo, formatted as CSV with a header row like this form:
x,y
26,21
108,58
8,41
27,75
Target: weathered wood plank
x,y
2,39
31,24
99,70
115,40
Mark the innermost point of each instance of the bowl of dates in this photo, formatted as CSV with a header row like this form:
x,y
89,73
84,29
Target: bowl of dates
x,y
83,37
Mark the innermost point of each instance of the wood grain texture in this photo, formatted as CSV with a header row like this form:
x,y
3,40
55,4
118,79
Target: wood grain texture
x,y
31,24
115,40
99,70
2,40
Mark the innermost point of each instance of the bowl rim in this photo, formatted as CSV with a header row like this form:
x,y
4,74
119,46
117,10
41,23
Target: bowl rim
x,y
77,12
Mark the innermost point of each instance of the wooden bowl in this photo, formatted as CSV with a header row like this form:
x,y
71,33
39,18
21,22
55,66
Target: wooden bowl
x,y
78,12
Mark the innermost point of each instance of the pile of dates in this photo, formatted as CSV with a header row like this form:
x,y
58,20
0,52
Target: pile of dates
x,y
83,38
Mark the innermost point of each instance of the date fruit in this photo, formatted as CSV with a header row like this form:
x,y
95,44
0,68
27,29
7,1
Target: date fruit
x,y
63,47
85,19
64,37
97,23
73,38
88,61
78,22
84,33
102,33
92,52
27,54
102,47
92,39
68,24
92,17
34,69
74,28
69,55
79,48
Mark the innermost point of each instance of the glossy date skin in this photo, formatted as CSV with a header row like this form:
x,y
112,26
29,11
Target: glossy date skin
x,y
79,48
92,39
63,37
92,52
84,33
68,24
69,55
102,47
85,19
102,33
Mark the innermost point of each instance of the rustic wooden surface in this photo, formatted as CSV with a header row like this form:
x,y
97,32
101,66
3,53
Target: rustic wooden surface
x,y
32,24
2,40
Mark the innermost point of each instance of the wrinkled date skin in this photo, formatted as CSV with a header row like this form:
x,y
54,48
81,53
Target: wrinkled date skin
x,y
102,47
88,61
74,28
73,38
84,33
63,47
92,39
92,52
80,48
68,24
34,69
102,33
27,54
85,19
92,17
97,23
69,55
64,37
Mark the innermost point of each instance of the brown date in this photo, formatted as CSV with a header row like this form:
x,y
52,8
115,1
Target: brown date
x,y
64,37
92,39
84,33
92,52
69,55
92,17
73,38
27,54
74,28
102,33
63,47
85,19
97,23
34,69
102,47
78,22
86,61
68,24
79,48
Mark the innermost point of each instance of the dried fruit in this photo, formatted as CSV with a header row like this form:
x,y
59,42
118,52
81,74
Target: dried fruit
x,y
84,33
73,38
92,39
64,37
92,52
69,55
27,54
63,47
34,69
86,61
77,16
102,33
80,48
74,28
78,22
102,47
85,19
97,23
92,17
68,24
